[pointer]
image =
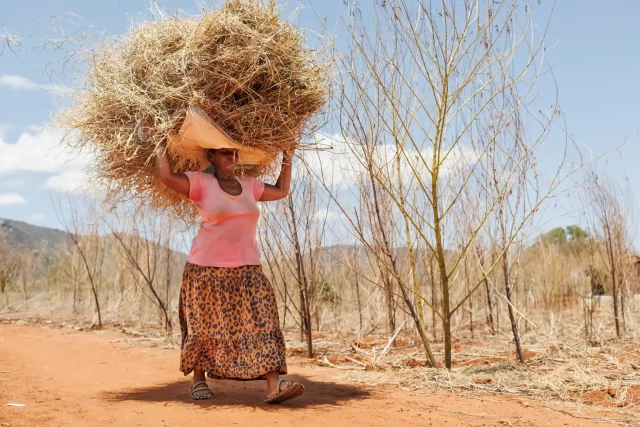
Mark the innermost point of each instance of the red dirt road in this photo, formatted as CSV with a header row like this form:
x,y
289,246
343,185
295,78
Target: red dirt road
x,y
69,378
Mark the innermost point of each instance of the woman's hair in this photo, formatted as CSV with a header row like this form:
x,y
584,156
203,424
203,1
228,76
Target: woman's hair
x,y
211,151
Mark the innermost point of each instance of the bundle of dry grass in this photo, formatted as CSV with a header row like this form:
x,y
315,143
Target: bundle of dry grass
x,y
244,67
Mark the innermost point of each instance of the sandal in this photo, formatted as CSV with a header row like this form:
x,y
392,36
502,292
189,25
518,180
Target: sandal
x,y
200,391
291,390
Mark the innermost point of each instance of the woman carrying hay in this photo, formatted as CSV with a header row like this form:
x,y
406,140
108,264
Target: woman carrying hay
x,y
227,309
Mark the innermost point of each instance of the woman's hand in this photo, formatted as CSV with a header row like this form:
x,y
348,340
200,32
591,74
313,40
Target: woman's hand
x,y
288,154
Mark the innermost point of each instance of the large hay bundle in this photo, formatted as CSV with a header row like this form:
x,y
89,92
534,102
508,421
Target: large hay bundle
x,y
241,65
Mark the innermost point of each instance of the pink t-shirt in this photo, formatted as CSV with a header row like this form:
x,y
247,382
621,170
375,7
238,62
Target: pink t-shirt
x,y
228,224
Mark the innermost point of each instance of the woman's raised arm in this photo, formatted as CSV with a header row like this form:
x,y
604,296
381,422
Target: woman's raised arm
x,y
178,182
281,188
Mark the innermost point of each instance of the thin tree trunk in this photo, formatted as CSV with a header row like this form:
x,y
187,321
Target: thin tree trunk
x,y
285,296
488,294
358,296
466,273
444,283
434,290
24,289
623,297
489,306
614,280
303,283
388,293
512,319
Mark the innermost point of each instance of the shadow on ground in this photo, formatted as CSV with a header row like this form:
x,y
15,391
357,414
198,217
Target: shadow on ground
x,y
243,393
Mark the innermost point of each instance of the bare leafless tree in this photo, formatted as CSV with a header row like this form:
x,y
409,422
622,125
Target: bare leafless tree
x,y
9,267
429,98
90,249
147,249
610,210
293,235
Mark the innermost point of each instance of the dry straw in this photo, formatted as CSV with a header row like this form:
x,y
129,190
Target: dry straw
x,y
245,67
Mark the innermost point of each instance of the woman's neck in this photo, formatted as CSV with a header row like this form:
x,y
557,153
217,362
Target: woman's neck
x,y
223,176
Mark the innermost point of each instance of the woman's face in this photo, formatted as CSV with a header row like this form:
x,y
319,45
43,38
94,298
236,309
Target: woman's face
x,y
223,159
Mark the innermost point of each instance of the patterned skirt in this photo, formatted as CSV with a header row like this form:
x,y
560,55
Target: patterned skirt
x,y
229,323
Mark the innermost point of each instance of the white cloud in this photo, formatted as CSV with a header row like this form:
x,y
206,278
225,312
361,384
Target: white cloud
x,y
14,184
15,82
38,152
335,166
343,164
7,199
70,181
36,218
42,151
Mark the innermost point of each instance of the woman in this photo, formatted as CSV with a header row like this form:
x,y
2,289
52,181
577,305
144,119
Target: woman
x,y
227,309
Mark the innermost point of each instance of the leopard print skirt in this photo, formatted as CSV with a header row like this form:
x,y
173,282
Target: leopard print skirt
x,y
229,323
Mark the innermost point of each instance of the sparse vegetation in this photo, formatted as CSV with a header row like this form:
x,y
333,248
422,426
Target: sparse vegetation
x,y
422,263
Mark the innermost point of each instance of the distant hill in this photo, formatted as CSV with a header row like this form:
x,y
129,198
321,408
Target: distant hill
x,y
20,235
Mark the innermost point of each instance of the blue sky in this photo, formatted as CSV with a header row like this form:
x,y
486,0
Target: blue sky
x,y
595,57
